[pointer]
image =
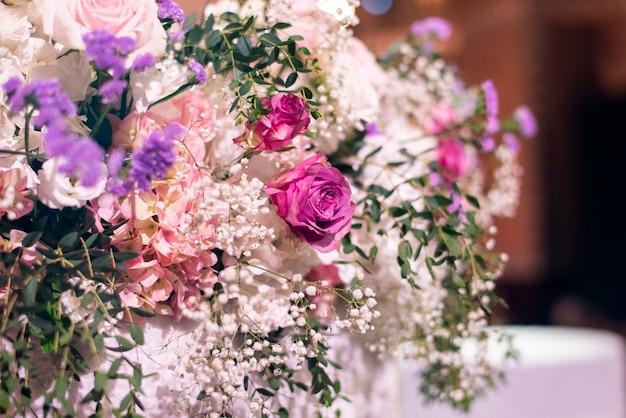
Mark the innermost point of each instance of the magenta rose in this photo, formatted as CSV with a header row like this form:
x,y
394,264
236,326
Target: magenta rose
x,y
314,199
288,117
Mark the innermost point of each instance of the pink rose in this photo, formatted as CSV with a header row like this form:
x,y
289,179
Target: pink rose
x,y
66,21
314,199
288,117
452,158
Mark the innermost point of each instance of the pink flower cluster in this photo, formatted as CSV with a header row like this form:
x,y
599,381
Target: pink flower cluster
x,y
165,225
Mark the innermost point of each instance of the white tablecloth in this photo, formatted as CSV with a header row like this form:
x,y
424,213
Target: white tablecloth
x,y
563,373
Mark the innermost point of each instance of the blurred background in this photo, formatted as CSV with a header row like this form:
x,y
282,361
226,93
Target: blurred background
x,y
566,60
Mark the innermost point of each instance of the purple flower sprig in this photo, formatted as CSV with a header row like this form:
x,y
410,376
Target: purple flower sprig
x,y
109,53
198,73
526,122
150,162
430,30
169,10
80,154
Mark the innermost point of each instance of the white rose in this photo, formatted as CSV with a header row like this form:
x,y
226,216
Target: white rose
x,y
58,190
71,70
156,82
14,26
66,21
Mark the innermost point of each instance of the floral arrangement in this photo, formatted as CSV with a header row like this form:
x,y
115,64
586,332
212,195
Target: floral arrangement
x,y
208,204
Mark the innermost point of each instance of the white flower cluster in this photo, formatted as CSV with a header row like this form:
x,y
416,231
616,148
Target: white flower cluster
x,y
240,231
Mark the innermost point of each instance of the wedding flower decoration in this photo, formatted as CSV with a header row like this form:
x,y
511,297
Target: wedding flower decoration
x,y
198,213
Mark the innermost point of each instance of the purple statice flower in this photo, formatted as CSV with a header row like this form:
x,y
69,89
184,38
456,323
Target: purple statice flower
x,y
432,27
526,121
119,187
198,72
511,141
100,48
491,106
457,206
142,62
154,158
108,52
372,129
82,159
488,144
44,95
170,10
110,90
58,138
115,161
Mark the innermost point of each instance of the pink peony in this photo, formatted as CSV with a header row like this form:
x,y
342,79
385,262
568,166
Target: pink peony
x,y
289,116
314,199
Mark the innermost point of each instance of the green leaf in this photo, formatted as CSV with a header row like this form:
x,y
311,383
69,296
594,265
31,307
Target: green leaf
x,y
397,211
291,79
458,280
245,88
115,367
68,241
269,39
30,292
32,238
264,392
100,381
60,387
137,334
404,251
452,246
213,39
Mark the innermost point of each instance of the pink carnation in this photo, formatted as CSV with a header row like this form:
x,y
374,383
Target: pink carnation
x,y
314,199
288,117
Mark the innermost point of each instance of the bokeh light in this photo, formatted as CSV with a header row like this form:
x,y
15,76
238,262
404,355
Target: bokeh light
x,y
376,7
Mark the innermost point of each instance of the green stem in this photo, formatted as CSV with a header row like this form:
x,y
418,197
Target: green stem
x,y
103,114
29,157
181,89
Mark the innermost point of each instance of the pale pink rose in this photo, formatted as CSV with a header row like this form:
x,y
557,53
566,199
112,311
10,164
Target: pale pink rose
x,y
289,117
314,200
367,64
452,158
133,130
14,192
326,276
58,190
66,21
309,22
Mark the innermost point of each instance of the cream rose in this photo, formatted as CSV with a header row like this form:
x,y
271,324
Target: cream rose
x,y
66,21
72,71
14,26
57,190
